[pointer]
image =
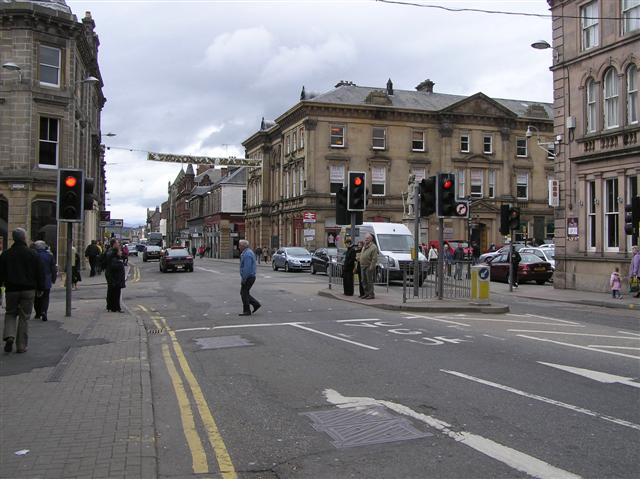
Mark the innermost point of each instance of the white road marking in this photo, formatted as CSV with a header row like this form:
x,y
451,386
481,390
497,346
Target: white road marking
x,y
588,412
595,375
349,320
416,316
299,325
209,270
496,320
628,332
511,457
233,326
612,347
571,334
579,347
551,319
495,337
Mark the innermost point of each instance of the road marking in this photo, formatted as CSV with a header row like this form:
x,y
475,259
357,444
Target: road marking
x,y
233,326
415,316
595,375
588,412
496,320
495,337
209,270
551,319
299,326
350,320
511,457
628,332
571,334
579,347
198,456
612,347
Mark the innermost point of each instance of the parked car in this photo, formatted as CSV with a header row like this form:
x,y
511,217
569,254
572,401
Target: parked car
x,y
531,268
545,254
322,258
151,252
291,258
133,249
485,257
175,259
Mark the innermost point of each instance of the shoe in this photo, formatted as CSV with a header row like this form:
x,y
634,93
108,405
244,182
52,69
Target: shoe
x,y
362,296
246,313
256,308
44,317
8,345
20,351
370,297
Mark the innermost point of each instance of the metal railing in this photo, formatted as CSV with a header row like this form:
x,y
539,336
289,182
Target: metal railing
x,y
334,272
456,281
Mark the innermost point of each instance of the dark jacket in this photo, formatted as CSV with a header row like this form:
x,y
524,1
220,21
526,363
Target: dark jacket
x,y
516,258
106,259
458,254
350,259
20,269
115,272
92,251
48,265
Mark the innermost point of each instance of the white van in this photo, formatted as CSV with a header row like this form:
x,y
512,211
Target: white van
x,y
395,242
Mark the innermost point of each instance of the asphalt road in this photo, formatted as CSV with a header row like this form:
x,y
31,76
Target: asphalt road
x,y
317,388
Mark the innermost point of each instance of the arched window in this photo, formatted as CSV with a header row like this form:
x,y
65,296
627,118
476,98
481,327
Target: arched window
x,y
632,94
611,99
43,223
592,109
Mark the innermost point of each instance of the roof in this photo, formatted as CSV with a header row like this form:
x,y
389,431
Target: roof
x,y
235,177
418,100
53,4
201,190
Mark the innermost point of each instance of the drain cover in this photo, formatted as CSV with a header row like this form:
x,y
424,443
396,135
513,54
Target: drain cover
x,y
361,426
222,342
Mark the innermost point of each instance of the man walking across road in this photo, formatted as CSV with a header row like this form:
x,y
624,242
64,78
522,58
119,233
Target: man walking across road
x,y
92,252
21,275
247,277
634,269
368,263
49,271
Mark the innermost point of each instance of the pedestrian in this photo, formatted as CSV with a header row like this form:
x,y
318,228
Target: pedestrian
x,y
475,252
432,256
458,259
515,258
616,284
634,272
107,256
358,249
91,253
99,257
124,254
348,267
23,280
75,268
368,263
207,251
259,254
50,271
116,280
265,252
193,251
247,278
447,255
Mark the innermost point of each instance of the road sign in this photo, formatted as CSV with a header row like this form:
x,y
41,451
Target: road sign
x,y
309,217
112,223
462,209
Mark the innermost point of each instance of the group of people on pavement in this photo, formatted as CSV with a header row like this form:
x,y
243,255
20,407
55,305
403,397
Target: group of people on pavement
x,y
360,259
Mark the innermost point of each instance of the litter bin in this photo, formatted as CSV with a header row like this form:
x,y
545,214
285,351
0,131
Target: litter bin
x,y
480,281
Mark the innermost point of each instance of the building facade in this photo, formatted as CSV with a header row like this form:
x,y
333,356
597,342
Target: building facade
x,y
394,135
596,58
50,106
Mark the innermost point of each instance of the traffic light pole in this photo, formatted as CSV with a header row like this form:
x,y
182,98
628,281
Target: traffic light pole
x,y
440,265
353,227
416,241
68,267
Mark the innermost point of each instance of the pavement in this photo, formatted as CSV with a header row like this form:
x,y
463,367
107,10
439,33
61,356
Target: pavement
x,y
85,409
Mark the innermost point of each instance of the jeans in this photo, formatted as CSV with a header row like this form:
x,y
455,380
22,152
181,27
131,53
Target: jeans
x,y
19,307
247,299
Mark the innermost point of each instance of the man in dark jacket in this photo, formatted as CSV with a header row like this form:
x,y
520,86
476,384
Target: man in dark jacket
x,y
515,258
348,267
92,252
50,271
22,277
115,280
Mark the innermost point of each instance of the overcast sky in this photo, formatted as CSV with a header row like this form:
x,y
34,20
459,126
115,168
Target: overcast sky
x,y
196,77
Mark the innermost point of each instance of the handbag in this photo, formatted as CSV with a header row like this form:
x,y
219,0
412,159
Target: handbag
x,y
634,285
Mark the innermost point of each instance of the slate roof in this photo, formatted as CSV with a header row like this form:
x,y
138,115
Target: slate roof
x,y
237,177
416,100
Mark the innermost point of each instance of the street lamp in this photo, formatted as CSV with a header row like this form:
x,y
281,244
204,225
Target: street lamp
x,y
548,146
543,45
14,68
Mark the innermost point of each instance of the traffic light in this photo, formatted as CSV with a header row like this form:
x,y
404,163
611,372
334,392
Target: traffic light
x,y
357,191
632,217
446,194
87,202
342,215
428,196
70,195
504,219
514,218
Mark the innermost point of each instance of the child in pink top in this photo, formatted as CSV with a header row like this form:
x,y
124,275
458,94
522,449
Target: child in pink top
x,y
615,284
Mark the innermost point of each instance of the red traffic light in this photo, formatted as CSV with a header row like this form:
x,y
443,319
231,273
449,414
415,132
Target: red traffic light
x,y
357,181
447,184
70,181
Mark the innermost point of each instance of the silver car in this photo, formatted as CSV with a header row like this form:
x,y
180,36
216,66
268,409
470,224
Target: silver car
x,y
291,259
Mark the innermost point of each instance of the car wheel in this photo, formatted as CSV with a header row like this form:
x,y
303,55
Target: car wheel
x,y
313,269
273,265
286,267
540,281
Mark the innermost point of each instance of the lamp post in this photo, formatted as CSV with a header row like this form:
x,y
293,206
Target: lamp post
x,y
14,68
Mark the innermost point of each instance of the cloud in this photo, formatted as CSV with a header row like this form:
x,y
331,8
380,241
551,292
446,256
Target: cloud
x,y
239,51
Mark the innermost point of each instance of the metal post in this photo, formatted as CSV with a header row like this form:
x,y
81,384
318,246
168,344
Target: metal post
x,y
440,266
68,268
353,227
416,239
511,250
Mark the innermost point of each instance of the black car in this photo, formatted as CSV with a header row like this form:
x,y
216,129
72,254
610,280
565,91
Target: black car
x,y
176,259
322,258
151,252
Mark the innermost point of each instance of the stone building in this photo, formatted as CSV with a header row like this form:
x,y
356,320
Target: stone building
x,y
178,213
50,106
392,134
596,57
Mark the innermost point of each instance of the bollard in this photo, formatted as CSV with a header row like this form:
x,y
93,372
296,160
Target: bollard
x,y
480,284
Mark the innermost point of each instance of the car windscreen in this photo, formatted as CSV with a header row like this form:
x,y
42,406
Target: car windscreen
x,y
177,252
530,258
153,249
297,252
399,243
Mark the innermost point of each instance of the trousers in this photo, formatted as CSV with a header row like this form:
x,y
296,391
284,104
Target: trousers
x,y
247,299
19,307
368,279
113,298
41,304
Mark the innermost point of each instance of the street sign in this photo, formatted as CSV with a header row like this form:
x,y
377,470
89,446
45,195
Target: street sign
x,y
112,224
309,217
105,215
554,193
462,209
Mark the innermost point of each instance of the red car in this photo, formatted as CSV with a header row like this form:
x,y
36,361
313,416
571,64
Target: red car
x,y
531,268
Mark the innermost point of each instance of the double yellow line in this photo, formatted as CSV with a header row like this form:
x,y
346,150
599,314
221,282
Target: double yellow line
x,y
136,274
198,454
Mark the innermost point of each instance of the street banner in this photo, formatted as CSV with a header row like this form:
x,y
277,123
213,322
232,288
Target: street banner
x,y
203,160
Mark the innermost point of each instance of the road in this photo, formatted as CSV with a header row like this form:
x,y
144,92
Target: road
x,y
317,388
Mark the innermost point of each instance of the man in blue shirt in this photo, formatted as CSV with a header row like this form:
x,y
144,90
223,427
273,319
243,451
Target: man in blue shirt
x,y
248,277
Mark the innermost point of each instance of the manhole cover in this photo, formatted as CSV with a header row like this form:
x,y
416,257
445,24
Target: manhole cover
x,y
219,342
361,426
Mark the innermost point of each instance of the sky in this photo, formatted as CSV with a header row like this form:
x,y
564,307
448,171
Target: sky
x,y
196,76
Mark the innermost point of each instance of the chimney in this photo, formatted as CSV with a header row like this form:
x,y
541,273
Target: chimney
x,y
389,87
426,86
